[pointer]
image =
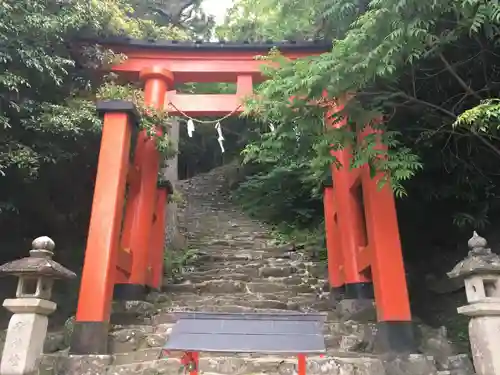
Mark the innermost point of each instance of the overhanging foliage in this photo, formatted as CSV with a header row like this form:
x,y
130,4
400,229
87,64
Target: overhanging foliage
x,y
424,65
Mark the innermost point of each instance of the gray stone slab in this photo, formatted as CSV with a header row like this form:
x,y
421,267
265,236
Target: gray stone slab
x,y
263,333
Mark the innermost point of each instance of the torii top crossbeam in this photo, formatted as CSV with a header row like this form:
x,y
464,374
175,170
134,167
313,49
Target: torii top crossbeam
x,y
205,62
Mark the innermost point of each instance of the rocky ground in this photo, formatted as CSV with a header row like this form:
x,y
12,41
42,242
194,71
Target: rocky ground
x,y
236,266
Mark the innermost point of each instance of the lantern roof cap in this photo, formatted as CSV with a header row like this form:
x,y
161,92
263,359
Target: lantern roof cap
x,y
38,263
480,260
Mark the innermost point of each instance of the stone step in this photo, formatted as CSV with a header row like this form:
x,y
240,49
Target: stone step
x,y
263,268
246,254
121,339
241,265
166,300
232,236
217,250
288,297
234,304
332,325
219,286
168,316
164,304
195,277
152,354
234,226
141,355
232,365
225,309
208,265
250,269
245,266
131,339
288,276
228,235
278,287
333,363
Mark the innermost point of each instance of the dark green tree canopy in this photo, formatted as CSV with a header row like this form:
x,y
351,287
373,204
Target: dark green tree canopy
x,y
49,80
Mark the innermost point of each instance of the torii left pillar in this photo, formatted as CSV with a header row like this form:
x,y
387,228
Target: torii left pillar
x,y
141,203
90,330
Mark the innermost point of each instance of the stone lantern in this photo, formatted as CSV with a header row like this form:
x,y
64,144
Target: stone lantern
x,y
28,325
480,271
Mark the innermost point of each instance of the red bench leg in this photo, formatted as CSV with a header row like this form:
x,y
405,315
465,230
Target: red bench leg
x,y
301,365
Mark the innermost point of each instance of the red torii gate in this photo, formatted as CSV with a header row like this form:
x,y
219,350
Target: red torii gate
x,y
124,254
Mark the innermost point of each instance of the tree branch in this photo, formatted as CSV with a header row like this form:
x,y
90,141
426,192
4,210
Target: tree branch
x,y
462,83
487,143
446,112
428,104
411,99
175,16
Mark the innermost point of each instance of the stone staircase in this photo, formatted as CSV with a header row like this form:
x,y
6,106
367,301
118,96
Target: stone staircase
x,y
238,267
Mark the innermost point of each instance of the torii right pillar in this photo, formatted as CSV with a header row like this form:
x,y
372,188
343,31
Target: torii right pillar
x,y
364,248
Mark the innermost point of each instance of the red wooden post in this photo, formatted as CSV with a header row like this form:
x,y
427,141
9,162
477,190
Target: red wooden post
x,y
190,360
349,216
94,304
334,252
121,291
140,210
157,245
387,266
196,359
122,273
301,364
132,193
